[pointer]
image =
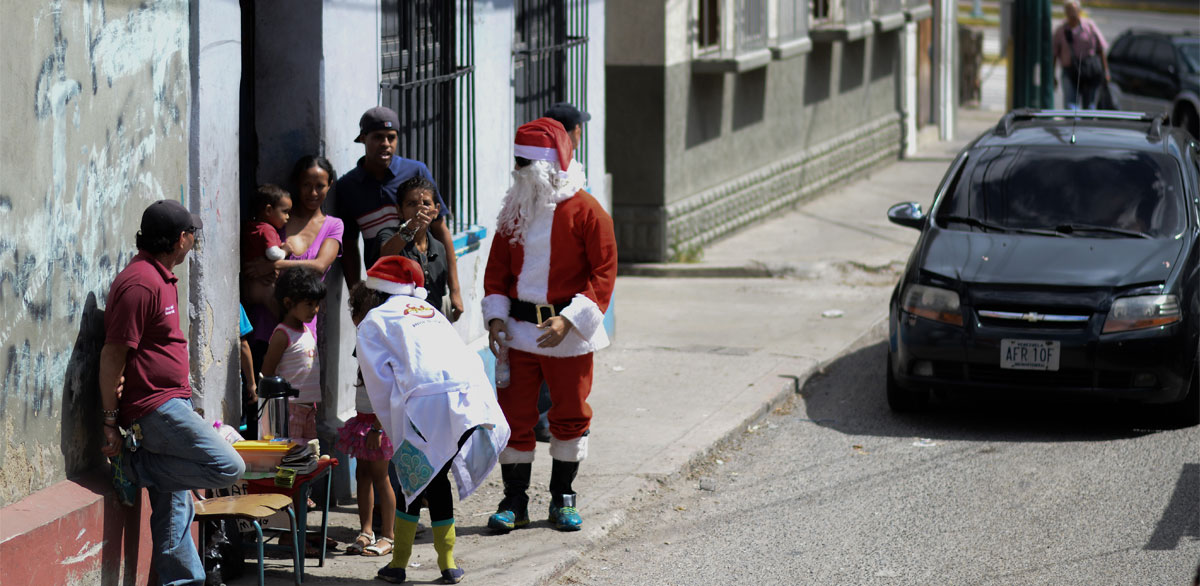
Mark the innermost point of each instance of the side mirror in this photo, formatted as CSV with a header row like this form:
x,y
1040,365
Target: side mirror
x,y
907,214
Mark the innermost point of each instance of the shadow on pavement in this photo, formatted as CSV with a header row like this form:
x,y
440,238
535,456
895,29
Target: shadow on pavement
x,y
850,397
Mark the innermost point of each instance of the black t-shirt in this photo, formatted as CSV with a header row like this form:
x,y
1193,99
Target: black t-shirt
x,y
434,263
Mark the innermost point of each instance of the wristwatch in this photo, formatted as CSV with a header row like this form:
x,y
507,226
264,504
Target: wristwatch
x,y
406,233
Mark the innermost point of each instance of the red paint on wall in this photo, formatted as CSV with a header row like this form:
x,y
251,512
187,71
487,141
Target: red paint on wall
x,y
75,532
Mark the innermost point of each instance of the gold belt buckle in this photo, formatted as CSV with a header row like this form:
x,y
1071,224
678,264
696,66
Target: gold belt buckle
x,y
538,312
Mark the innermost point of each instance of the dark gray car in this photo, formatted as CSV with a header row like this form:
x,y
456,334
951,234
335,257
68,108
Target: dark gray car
x,y
1159,73
1061,254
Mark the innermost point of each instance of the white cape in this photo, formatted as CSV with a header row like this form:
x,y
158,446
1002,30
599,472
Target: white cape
x,y
428,390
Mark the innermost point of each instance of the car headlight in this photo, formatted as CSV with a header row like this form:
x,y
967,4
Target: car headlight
x,y
1141,312
932,303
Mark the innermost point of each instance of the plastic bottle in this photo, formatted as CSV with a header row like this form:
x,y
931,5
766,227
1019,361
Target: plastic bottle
x,y
502,365
228,432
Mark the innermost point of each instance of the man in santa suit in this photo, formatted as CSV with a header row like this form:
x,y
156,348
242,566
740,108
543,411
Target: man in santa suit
x,y
548,281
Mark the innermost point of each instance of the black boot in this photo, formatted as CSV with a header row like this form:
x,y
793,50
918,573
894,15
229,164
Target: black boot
x,y
563,514
513,511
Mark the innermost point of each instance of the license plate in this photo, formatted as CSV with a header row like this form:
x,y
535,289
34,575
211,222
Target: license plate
x,y
1029,354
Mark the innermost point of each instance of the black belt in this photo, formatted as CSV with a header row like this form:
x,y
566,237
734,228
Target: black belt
x,y
534,313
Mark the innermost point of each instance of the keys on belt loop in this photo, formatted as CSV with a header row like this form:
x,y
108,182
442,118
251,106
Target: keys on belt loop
x,y
537,309
133,437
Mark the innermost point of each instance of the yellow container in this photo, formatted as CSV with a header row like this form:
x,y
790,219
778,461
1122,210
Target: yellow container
x,y
263,455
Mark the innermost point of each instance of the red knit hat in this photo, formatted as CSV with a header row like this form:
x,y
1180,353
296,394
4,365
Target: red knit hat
x,y
397,275
544,139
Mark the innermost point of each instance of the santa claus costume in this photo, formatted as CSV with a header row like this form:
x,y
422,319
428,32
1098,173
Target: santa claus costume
x,y
434,400
552,266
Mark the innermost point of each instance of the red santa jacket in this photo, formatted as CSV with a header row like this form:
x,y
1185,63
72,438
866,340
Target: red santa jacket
x,y
568,256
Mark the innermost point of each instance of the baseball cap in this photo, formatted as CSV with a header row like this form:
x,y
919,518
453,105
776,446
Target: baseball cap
x,y
167,217
377,118
567,115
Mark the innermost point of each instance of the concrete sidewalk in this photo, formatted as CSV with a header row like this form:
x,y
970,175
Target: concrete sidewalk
x,y
696,359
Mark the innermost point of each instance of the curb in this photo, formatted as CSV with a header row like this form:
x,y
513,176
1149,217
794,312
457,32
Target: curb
x,y
693,271
789,389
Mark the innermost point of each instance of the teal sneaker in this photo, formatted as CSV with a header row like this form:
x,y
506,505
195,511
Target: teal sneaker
x,y
126,490
506,520
565,517
452,576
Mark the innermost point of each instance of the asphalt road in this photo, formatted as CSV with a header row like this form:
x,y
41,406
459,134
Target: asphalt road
x,y
833,488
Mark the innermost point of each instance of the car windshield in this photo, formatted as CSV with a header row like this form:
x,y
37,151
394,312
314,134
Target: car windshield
x,y
1189,49
1075,191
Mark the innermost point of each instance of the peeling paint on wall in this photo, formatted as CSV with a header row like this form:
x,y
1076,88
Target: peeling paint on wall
x,y
108,88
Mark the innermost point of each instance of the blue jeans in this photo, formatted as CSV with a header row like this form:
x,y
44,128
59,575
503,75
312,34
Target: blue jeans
x,y
180,452
1087,93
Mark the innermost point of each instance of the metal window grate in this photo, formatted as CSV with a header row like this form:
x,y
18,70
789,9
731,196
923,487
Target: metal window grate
x,y
427,77
550,58
712,35
793,19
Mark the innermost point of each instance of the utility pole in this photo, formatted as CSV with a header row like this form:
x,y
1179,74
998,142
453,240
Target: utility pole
x,y
1032,55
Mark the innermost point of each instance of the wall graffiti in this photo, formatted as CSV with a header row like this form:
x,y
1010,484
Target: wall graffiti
x,y
109,95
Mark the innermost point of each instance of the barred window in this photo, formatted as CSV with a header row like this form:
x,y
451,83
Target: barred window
x,y
427,77
550,58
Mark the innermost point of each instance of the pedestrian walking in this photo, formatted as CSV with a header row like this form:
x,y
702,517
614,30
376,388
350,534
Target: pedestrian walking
x,y
548,281
1081,52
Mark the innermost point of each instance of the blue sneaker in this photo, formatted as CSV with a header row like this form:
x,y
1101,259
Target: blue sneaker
x,y
125,489
452,576
565,517
506,520
390,574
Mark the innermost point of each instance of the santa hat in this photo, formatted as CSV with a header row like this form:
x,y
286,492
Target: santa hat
x,y
544,139
397,275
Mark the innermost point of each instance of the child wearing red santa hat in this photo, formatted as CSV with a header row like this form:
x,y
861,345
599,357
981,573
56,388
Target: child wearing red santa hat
x,y
434,400
548,282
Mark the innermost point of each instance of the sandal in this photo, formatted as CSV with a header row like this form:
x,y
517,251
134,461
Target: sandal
x,y
363,540
379,548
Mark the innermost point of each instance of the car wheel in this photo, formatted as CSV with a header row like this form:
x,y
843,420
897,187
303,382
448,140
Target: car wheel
x,y
900,399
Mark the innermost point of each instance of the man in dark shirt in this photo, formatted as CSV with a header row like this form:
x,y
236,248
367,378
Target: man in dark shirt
x,y
367,201
168,448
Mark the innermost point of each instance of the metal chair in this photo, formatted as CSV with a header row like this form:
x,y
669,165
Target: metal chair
x,y
253,508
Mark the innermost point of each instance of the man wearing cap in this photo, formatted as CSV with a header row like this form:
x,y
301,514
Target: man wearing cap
x,y
548,281
367,196
572,119
144,390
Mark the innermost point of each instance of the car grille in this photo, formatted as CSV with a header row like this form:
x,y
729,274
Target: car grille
x,y
1034,320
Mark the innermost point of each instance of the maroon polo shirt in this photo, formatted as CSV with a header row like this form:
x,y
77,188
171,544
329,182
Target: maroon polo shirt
x,y
143,314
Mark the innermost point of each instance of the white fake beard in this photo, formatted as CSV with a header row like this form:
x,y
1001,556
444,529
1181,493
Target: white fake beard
x,y
534,192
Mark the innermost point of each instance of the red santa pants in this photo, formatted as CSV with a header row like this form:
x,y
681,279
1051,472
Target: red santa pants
x,y
570,382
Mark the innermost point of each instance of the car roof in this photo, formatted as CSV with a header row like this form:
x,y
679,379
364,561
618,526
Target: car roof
x,y
1098,129
1187,34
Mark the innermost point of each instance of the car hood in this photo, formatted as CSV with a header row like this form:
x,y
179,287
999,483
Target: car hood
x,y
1040,260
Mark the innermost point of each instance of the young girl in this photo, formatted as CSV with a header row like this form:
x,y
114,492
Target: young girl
x,y
261,239
292,351
362,437
434,400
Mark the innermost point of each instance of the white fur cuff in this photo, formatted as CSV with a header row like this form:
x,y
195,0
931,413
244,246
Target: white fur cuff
x,y
495,306
585,315
511,456
574,450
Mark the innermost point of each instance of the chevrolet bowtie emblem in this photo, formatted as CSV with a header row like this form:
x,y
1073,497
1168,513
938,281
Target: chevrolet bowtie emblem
x,y
1033,316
